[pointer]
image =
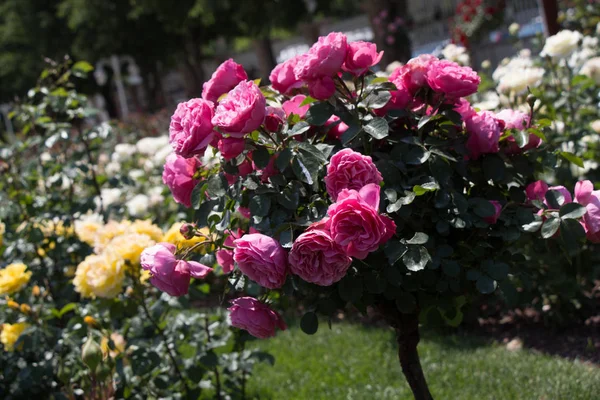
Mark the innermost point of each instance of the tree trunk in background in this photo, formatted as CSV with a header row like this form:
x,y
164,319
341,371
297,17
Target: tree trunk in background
x,y
549,12
193,66
266,59
389,20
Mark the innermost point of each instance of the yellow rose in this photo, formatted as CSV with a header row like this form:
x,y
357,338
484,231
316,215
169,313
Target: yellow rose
x,y
108,232
144,275
146,227
13,278
174,236
100,275
55,227
87,227
2,230
129,247
10,334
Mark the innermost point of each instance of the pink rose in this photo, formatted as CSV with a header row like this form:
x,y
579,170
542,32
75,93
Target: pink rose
x,y
225,256
536,190
274,118
463,107
168,273
355,223
244,212
317,258
325,58
244,169
337,130
413,75
590,198
255,317
241,111
564,191
225,78
321,88
514,119
484,133
451,79
498,210
262,259
178,176
401,99
283,79
349,169
231,147
191,129
360,57
292,106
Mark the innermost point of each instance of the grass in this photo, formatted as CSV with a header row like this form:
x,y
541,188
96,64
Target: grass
x,y
355,362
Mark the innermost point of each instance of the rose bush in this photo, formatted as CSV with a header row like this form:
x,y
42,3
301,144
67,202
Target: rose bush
x,y
397,210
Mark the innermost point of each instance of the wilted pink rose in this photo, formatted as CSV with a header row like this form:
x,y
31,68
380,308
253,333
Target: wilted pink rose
x,y
225,78
325,58
255,317
178,176
168,273
338,128
536,190
349,169
497,211
360,57
262,259
519,120
274,118
355,223
321,88
292,106
413,74
590,198
283,79
451,79
242,110
191,129
231,147
317,258
484,133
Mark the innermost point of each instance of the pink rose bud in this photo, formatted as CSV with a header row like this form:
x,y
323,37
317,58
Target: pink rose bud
x,y
225,78
536,190
274,119
413,75
255,317
241,111
484,133
317,258
168,274
283,79
337,130
178,176
355,223
519,120
191,129
349,169
188,231
324,58
262,259
360,57
449,78
590,198
231,147
497,211
322,88
292,106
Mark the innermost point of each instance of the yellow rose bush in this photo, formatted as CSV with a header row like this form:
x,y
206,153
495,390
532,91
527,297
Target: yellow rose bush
x,y
13,277
10,334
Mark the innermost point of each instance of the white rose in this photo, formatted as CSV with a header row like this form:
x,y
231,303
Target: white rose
x,y
596,126
490,101
155,195
591,68
138,205
517,81
123,152
514,28
562,44
455,53
112,168
109,196
136,174
150,145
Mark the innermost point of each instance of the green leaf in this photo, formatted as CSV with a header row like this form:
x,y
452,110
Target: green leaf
x,y
289,198
198,194
261,157
521,137
65,309
416,156
485,284
260,205
482,208
319,113
550,227
299,128
378,128
572,158
216,186
283,159
309,323
498,271
418,238
308,100
377,99
420,190
571,233
83,66
493,168
308,162
416,258
555,198
350,289
451,268
394,250
572,211
352,131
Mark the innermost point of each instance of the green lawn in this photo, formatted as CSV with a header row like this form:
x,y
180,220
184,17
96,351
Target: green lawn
x,y
354,362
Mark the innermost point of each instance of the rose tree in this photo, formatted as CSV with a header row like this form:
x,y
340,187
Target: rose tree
x,y
390,193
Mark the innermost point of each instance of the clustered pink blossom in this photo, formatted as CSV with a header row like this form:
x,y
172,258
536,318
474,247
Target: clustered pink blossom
x,y
255,317
349,169
178,175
